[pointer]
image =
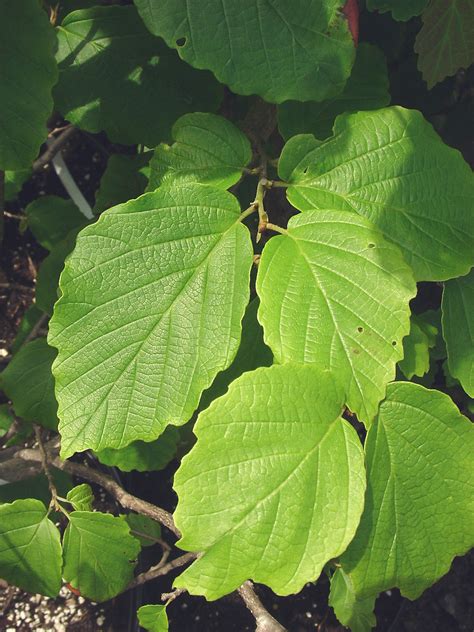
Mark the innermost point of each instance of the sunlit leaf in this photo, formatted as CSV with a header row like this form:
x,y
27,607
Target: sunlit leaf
x,y
419,510
274,487
391,167
321,302
151,308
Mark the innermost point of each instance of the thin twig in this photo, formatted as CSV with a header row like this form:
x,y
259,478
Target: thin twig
x,y
128,501
248,211
262,186
37,327
56,145
276,229
19,217
45,463
171,596
265,621
159,570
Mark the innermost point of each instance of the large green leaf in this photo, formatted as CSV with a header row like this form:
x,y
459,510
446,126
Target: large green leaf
x,y
320,287
274,487
458,329
356,614
29,383
366,89
50,218
419,510
401,10
30,547
277,49
445,43
99,554
125,178
141,456
116,77
153,618
152,301
207,149
390,166
28,74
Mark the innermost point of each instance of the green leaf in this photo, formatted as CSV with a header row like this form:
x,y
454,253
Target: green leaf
x,y
50,271
418,511
35,486
430,323
166,280
146,530
28,74
366,89
125,178
278,50
207,149
274,487
51,218
402,10
336,264
14,181
142,456
29,383
116,77
99,554
416,352
30,548
445,42
153,618
391,167
356,614
81,497
252,353
458,329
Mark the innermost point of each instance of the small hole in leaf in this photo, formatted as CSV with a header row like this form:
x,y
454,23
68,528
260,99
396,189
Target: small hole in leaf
x,y
305,170
371,245
394,343
360,329
181,42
